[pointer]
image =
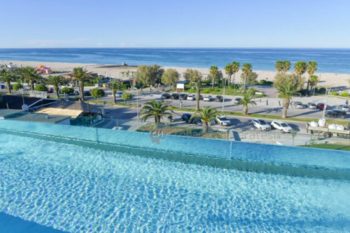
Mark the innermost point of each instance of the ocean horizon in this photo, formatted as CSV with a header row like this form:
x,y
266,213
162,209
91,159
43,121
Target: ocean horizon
x,y
329,60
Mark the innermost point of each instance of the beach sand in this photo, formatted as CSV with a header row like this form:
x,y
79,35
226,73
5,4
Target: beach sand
x,y
115,71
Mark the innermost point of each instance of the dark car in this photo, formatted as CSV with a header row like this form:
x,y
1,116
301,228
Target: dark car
x,y
219,98
195,121
165,96
336,114
183,96
175,96
87,93
186,117
320,106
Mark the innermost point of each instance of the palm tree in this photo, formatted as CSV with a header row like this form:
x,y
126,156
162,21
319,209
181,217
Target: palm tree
x,y
229,71
214,74
115,86
195,77
300,68
81,75
313,82
282,66
247,100
207,115
56,81
235,69
311,69
155,109
246,71
30,76
287,86
8,76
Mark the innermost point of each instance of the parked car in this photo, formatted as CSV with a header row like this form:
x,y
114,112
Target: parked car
x,y
299,105
345,108
222,120
219,98
336,114
165,96
312,106
191,97
118,94
175,96
195,121
320,106
183,96
261,124
237,100
186,117
208,98
284,127
87,93
200,97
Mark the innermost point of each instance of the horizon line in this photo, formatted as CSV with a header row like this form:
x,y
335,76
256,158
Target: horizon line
x,y
209,47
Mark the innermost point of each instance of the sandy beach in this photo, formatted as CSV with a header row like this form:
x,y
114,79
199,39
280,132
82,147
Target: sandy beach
x,y
119,72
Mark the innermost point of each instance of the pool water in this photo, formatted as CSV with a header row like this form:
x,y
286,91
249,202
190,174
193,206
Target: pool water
x,y
75,188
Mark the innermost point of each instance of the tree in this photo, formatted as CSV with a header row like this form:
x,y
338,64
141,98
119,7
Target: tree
x,y
300,68
311,69
247,100
97,93
195,78
40,87
149,75
282,66
56,82
67,90
207,115
229,71
313,81
116,85
235,69
155,109
8,76
30,76
17,86
170,77
215,75
81,76
246,71
287,86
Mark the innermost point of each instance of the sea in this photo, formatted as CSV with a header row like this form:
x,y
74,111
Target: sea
x,y
329,60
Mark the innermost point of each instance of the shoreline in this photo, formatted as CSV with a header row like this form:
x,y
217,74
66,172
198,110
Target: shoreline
x,y
118,72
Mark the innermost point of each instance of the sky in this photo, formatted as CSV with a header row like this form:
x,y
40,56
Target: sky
x,y
177,23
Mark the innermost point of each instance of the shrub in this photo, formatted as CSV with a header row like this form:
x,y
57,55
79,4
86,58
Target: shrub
x,y
126,96
40,87
97,93
333,93
345,94
67,91
17,86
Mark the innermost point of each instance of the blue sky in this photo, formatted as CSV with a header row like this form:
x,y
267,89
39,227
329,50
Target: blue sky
x,y
178,23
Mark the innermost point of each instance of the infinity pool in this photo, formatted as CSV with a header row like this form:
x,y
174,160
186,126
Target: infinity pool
x,y
73,179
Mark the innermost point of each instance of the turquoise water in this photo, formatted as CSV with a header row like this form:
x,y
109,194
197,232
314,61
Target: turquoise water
x,y
330,60
58,183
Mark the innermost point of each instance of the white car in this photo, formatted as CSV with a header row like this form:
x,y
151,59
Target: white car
x,y
208,98
222,120
344,108
191,97
284,127
261,124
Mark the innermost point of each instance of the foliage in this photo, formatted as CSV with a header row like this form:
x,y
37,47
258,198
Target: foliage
x,y
249,78
232,69
17,86
155,109
97,93
170,77
8,76
81,76
29,75
67,90
344,94
195,78
207,114
56,81
127,96
282,66
149,75
247,100
287,86
40,87
215,75
300,68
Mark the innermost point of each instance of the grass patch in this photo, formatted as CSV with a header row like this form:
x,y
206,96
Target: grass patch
x,y
183,131
330,146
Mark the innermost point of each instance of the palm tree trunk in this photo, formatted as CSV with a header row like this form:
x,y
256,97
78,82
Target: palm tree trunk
x,y
212,83
206,127
245,109
198,98
81,90
32,85
57,91
9,87
285,108
114,100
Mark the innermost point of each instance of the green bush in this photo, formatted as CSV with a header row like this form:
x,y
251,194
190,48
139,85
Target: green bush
x,y
126,96
97,93
17,86
333,93
67,91
345,94
40,87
